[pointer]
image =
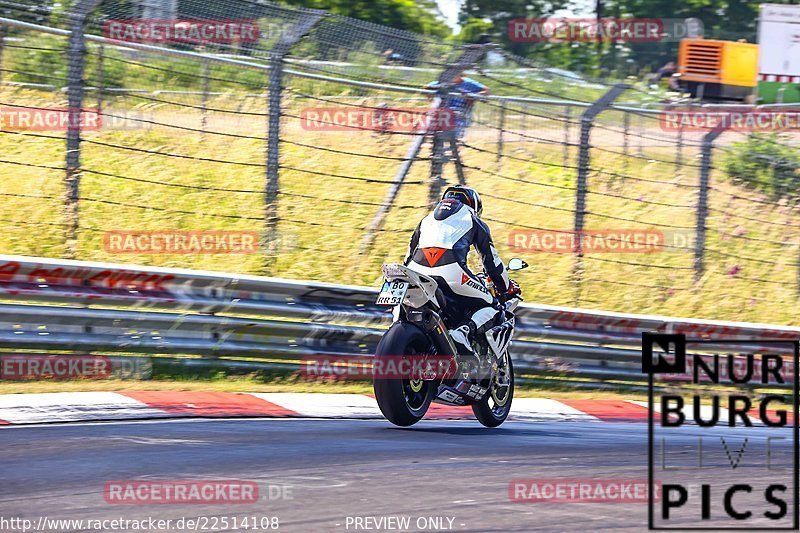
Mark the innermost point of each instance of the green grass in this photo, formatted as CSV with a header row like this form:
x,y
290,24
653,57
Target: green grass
x,y
320,233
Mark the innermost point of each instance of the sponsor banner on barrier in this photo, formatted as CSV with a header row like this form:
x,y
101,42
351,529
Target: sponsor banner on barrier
x,y
637,324
45,275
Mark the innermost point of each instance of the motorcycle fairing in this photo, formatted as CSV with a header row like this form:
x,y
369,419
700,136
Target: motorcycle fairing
x,y
499,337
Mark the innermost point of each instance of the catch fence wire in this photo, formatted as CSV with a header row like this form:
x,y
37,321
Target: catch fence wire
x,y
187,146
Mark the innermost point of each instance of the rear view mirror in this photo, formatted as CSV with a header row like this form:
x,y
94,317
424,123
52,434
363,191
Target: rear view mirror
x,y
517,264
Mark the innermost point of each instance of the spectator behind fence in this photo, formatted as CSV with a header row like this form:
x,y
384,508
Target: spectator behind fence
x,y
461,106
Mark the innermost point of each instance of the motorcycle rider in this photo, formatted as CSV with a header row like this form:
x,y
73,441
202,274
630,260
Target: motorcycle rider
x,y
439,249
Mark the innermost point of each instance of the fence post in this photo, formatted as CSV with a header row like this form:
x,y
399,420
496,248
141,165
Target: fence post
x,y
100,77
3,32
437,168
640,133
567,129
702,199
626,124
462,179
525,111
76,57
275,92
502,127
204,103
679,154
587,119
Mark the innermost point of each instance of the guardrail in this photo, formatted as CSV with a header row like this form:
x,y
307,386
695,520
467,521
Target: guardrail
x,y
80,307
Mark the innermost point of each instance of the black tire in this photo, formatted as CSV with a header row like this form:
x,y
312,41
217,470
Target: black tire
x,y
488,411
402,401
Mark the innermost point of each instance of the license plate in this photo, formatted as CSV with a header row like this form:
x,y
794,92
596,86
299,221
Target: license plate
x,y
392,293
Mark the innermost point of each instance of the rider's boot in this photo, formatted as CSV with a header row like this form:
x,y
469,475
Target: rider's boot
x,y
461,337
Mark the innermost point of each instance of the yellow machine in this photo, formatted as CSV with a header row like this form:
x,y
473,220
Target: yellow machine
x,y
718,70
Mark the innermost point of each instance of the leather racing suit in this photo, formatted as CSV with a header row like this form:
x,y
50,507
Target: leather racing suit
x,y
439,249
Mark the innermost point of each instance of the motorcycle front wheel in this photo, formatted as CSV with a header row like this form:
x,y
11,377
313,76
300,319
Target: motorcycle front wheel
x,y
403,401
494,407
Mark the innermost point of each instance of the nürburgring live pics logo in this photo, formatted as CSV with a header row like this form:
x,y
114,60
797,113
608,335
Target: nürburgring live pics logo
x,y
722,433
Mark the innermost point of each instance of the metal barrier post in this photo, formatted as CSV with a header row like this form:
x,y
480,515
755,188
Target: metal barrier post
x,y
702,199
277,54
587,119
76,57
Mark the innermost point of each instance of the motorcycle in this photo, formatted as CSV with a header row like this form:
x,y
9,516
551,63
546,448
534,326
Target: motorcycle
x,y
434,371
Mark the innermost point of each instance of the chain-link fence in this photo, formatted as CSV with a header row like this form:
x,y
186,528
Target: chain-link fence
x,y
315,132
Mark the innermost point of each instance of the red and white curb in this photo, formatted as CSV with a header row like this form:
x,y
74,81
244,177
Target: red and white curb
x,y
87,406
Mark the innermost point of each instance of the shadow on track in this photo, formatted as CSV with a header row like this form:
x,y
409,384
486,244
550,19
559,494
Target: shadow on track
x,y
481,431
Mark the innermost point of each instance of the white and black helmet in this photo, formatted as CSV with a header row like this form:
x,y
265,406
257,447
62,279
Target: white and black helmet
x,y
465,195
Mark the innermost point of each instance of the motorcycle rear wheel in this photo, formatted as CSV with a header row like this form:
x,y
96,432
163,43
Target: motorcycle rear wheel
x,y
403,401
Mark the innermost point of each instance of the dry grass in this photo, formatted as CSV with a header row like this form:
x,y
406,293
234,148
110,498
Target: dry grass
x,y
320,232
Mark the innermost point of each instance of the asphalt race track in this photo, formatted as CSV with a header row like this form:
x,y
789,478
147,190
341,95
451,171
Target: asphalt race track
x,y
437,471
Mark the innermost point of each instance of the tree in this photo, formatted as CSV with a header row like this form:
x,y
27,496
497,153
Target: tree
x,y
473,29
500,12
420,16
722,19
